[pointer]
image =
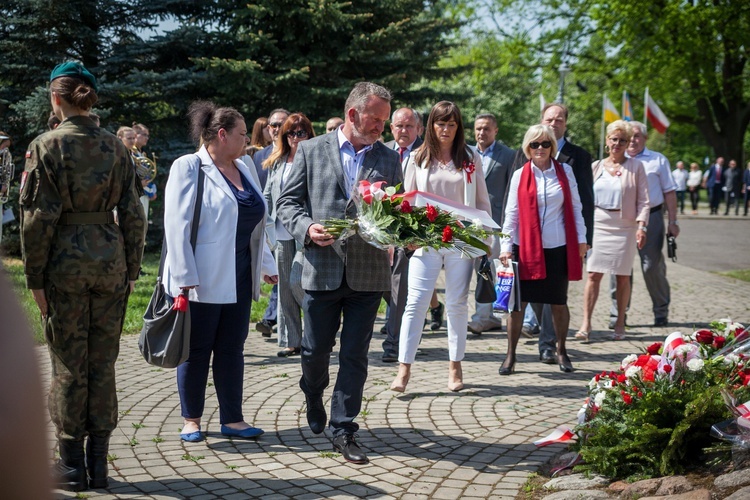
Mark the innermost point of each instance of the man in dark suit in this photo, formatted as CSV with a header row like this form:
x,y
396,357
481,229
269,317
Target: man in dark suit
x,y
339,276
555,115
405,126
497,165
713,181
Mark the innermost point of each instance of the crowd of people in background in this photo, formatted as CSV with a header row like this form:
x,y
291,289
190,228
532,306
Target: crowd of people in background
x,y
261,195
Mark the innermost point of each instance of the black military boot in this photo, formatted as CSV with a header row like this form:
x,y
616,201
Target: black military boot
x,y
96,461
71,468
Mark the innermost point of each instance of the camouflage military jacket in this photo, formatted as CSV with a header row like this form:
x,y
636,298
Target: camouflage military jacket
x,y
79,167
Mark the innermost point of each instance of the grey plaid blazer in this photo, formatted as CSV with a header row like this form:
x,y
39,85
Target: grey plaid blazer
x,y
315,191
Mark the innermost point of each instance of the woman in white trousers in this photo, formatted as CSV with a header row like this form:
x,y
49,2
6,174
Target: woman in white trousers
x,y
445,166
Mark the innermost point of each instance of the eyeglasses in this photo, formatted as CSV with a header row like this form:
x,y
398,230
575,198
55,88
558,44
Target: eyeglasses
x,y
275,124
299,134
615,140
543,144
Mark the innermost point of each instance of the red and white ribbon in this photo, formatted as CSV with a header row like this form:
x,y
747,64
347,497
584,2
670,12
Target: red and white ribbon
x,y
560,435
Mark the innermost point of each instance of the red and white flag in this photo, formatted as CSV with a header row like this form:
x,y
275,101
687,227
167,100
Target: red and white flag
x,y
655,115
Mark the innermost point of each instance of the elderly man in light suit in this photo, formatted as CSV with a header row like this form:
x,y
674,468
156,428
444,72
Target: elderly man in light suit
x,y
338,276
497,164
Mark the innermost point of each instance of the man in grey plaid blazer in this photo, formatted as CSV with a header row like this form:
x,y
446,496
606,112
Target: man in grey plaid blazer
x,y
339,277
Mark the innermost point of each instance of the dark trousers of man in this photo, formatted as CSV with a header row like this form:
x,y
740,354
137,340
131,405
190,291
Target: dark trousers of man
x,y
681,201
654,269
323,316
221,329
396,299
715,196
732,197
83,330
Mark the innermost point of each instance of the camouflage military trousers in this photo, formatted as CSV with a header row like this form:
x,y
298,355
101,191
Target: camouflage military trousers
x,y
83,328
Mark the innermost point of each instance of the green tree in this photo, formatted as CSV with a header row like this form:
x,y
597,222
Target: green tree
x,y
692,54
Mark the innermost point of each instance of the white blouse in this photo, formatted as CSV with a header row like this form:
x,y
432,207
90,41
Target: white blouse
x,y
549,197
608,191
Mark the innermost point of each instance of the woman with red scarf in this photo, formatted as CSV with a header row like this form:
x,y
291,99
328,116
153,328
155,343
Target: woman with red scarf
x,y
547,237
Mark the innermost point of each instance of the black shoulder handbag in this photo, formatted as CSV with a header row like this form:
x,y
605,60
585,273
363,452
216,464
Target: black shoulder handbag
x,y
165,336
485,292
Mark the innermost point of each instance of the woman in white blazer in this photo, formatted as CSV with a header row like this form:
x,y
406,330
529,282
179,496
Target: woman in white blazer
x,y
223,274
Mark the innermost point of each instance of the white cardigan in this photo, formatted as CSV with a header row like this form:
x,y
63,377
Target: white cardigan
x,y
212,269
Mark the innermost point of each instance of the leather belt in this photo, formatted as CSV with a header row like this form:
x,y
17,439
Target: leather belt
x,y
85,218
656,208
609,209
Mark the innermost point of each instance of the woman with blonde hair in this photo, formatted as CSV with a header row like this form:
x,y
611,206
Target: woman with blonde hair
x,y
620,218
445,166
547,237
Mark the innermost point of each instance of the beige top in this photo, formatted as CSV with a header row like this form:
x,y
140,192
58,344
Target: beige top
x,y
448,182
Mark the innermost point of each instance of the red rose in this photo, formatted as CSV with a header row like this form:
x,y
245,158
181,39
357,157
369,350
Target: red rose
x,y
654,348
627,398
447,234
405,207
640,394
704,336
719,342
432,213
667,368
621,379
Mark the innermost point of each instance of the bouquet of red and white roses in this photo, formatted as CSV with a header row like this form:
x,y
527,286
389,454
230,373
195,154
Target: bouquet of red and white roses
x,y
656,412
388,218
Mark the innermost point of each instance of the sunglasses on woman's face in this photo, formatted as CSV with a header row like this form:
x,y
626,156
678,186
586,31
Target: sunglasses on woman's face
x,y
299,134
543,144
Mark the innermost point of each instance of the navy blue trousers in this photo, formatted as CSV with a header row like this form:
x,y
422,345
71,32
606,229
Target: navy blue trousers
x,y
220,329
323,316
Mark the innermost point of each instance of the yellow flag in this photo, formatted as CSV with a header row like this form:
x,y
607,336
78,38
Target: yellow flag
x,y
610,112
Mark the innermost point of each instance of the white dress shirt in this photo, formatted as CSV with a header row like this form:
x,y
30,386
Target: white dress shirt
x,y
658,173
549,198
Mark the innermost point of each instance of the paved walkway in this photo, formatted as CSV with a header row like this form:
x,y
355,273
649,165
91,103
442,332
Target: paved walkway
x,y
426,443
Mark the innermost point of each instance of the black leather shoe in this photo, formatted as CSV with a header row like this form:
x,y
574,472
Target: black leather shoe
x,y
96,461
563,361
71,468
661,322
265,327
436,316
286,352
390,357
346,444
316,414
547,357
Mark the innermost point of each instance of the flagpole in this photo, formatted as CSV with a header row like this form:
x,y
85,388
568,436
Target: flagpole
x,y
645,109
624,93
601,136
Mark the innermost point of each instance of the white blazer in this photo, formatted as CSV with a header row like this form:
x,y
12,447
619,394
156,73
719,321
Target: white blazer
x,y
212,269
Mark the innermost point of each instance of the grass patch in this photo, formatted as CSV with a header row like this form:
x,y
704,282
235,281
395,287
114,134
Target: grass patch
x,y
742,274
137,302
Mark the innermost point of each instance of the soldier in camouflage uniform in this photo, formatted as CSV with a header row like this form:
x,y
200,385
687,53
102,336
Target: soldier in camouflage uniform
x,y
80,267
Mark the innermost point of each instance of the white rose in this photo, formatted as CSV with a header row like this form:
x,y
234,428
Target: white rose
x,y
632,371
629,360
732,327
599,399
682,351
695,365
731,359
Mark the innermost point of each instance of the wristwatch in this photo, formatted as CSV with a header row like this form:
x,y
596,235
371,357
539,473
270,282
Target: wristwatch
x,y
673,222
643,228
